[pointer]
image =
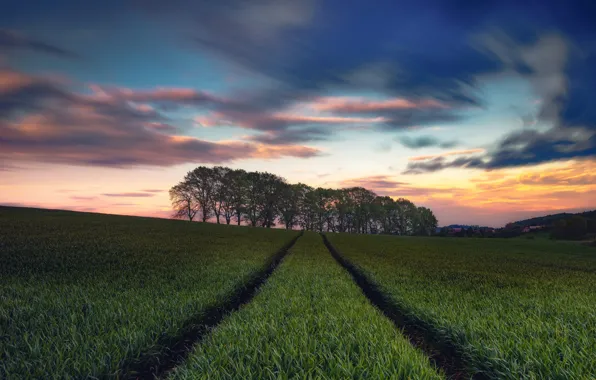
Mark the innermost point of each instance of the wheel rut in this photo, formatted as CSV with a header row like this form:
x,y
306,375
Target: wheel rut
x,y
442,354
170,351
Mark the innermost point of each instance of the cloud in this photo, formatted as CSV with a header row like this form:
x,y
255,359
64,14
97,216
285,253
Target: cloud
x,y
129,195
373,182
546,63
407,54
422,66
306,55
360,105
162,127
387,186
154,191
425,142
523,148
171,96
10,40
445,154
41,121
286,127
82,198
22,93
292,136
391,113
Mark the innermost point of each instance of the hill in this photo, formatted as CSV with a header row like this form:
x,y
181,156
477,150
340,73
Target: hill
x,y
550,219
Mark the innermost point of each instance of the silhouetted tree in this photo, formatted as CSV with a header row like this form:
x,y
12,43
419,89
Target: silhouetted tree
x,y
183,201
200,181
425,222
262,199
572,228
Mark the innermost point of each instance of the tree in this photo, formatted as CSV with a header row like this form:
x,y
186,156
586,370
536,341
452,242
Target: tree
x,y
289,202
230,194
201,185
264,199
183,201
271,187
239,187
220,190
253,198
572,228
425,222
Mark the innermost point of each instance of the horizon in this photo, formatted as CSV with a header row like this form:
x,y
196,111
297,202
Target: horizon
x,y
480,112
212,219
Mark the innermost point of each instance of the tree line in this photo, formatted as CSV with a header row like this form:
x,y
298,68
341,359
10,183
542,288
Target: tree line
x,y
266,200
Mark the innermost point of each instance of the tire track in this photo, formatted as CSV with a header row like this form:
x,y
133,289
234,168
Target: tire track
x,y
170,351
442,354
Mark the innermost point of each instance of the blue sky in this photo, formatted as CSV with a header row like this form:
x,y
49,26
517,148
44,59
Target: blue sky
x,y
455,103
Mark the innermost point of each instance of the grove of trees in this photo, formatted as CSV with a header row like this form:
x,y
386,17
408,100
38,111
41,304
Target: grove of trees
x,y
573,228
266,200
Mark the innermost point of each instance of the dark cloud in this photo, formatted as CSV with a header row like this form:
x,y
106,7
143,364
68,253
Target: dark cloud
x,y
307,51
408,51
306,48
10,40
293,136
519,149
21,93
425,142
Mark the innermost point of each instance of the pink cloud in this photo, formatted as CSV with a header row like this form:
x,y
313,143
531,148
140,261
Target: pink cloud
x,y
106,130
297,119
353,104
176,95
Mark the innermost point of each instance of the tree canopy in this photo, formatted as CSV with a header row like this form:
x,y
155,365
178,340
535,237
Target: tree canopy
x,y
266,200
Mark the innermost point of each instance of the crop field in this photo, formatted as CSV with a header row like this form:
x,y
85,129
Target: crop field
x,y
101,296
309,321
510,308
87,295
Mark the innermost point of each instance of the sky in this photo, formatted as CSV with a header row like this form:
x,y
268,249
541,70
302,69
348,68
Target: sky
x,y
482,111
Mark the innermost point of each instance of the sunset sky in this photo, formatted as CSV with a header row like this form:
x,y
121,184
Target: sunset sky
x,y
483,111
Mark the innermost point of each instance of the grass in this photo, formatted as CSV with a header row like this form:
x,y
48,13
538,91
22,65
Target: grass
x,y
84,294
95,296
308,321
513,308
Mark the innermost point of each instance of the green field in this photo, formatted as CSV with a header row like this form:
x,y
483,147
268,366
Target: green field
x,y
512,308
85,294
309,321
101,296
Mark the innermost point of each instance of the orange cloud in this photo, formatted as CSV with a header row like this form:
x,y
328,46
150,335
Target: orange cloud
x,y
499,196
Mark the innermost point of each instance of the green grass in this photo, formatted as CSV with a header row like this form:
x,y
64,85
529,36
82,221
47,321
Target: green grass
x,y
515,308
308,321
81,293
85,295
